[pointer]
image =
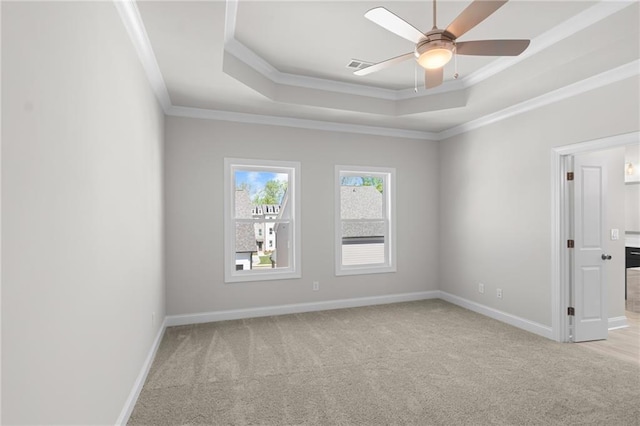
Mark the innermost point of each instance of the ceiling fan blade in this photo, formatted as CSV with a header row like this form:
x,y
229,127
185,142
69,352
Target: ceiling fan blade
x,y
475,13
392,22
433,77
384,64
492,47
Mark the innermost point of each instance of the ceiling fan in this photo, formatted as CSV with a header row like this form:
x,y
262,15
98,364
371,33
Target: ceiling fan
x,y
435,48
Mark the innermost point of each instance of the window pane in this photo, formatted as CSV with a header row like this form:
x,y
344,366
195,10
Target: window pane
x,y
280,245
262,220
243,207
262,245
259,194
246,246
361,197
363,242
363,252
365,229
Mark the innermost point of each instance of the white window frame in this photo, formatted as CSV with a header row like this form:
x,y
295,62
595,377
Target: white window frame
x,y
389,209
231,165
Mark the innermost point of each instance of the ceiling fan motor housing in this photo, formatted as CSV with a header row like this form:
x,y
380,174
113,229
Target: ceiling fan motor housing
x,y
436,41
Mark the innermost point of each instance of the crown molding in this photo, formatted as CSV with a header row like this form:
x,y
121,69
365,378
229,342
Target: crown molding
x,y
132,21
614,75
259,64
272,120
606,78
579,22
590,16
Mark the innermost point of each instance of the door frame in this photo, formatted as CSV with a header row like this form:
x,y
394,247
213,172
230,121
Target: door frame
x,y
560,222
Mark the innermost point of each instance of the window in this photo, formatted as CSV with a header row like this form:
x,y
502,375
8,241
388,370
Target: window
x,y
252,189
365,220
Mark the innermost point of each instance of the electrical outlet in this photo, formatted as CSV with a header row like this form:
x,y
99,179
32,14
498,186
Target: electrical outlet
x,y
316,285
480,288
499,293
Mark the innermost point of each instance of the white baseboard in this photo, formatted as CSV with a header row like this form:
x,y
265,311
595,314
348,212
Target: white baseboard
x,y
137,386
173,320
618,322
531,326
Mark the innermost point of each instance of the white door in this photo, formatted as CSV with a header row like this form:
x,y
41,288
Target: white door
x,y
590,242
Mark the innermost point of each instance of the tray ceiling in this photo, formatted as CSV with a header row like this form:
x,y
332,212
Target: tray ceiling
x,y
288,58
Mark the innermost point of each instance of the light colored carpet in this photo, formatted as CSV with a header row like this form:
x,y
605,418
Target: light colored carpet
x,y
416,363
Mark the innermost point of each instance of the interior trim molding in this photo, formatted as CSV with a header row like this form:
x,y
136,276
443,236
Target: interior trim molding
x,y
524,324
579,22
605,78
618,322
174,320
597,12
251,59
597,144
255,61
559,260
130,403
614,75
241,117
133,23
204,317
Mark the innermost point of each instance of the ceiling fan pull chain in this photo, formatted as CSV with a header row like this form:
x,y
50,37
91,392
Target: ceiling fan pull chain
x,y
415,78
455,62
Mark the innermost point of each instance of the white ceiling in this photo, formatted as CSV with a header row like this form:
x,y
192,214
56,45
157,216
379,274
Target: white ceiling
x,y
318,38
287,59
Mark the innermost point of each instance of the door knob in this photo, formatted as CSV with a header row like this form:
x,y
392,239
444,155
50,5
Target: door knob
x,y
606,256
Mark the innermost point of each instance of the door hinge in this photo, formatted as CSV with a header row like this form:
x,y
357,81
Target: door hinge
x,y
571,311
569,175
570,243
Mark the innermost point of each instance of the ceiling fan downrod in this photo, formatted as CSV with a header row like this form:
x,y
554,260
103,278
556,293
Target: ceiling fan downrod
x,y
435,27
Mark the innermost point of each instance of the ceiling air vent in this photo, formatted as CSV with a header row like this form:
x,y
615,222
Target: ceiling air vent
x,y
356,64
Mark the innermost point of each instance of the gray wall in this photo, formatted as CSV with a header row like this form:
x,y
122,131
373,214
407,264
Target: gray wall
x,y
82,213
632,207
195,150
495,197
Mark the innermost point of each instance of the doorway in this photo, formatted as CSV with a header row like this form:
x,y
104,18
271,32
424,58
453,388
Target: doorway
x,y
596,229
632,228
561,261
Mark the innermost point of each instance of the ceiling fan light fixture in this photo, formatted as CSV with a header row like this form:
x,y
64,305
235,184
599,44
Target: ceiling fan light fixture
x,y
435,54
435,58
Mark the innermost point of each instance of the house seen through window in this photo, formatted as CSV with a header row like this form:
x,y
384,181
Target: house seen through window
x,y
365,237
261,220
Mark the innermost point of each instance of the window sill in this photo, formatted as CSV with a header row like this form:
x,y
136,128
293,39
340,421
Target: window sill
x,y
266,275
366,270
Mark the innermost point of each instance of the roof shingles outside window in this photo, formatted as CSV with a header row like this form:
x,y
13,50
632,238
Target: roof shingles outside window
x,y
245,233
361,202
